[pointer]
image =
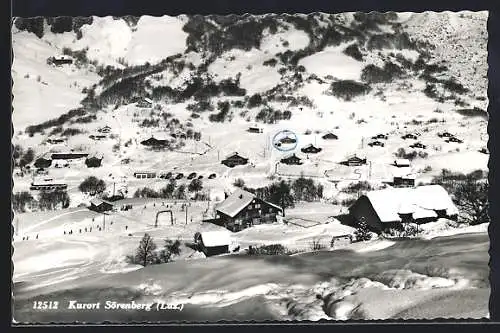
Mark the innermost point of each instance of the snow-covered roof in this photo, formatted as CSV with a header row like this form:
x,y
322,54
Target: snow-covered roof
x,y
291,155
402,161
216,238
422,202
148,100
238,200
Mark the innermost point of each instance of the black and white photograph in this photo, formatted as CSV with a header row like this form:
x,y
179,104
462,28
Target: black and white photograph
x,y
284,167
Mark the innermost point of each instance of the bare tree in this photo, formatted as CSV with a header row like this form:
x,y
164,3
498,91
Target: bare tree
x,y
471,197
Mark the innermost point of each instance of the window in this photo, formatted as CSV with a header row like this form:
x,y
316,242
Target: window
x,y
257,206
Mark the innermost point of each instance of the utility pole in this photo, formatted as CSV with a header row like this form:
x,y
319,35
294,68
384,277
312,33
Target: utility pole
x,y
186,208
103,221
17,226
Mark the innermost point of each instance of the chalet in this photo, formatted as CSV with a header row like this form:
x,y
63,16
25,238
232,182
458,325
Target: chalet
x,y
409,136
389,208
213,242
234,160
100,206
287,140
153,142
43,161
402,162
354,161
291,159
98,137
403,181
243,209
310,149
145,103
255,129
47,184
68,156
106,129
94,161
62,60
445,135
55,141
145,174
330,136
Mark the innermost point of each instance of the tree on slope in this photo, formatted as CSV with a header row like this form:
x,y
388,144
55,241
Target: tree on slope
x,y
145,253
362,232
471,197
92,185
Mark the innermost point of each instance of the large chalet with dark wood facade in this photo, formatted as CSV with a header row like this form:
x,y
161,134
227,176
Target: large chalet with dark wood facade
x,y
310,149
291,159
243,209
234,160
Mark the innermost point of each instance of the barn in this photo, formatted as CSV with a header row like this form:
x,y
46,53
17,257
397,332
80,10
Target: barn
x,y
234,160
389,208
145,174
291,159
310,149
100,206
404,181
213,243
243,209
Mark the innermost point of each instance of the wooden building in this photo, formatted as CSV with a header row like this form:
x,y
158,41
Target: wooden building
x,y
145,174
354,161
330,136
310,149
62,60
68,156
234,160
213,243
243,209
291,159
403,181
153,142
100,206
389,208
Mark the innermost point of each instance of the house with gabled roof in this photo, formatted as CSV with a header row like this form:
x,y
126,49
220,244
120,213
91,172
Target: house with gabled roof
x,y
243,209
310,149
391,207
234,159
291,159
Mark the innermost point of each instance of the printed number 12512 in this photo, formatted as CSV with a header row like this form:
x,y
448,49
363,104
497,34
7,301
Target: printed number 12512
x,y
45,305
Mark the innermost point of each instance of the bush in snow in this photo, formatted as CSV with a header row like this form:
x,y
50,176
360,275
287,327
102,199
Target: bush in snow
x,y
254,101
195,185
146,192
354,52
374,74
348,89
272,249
220,117
361,186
